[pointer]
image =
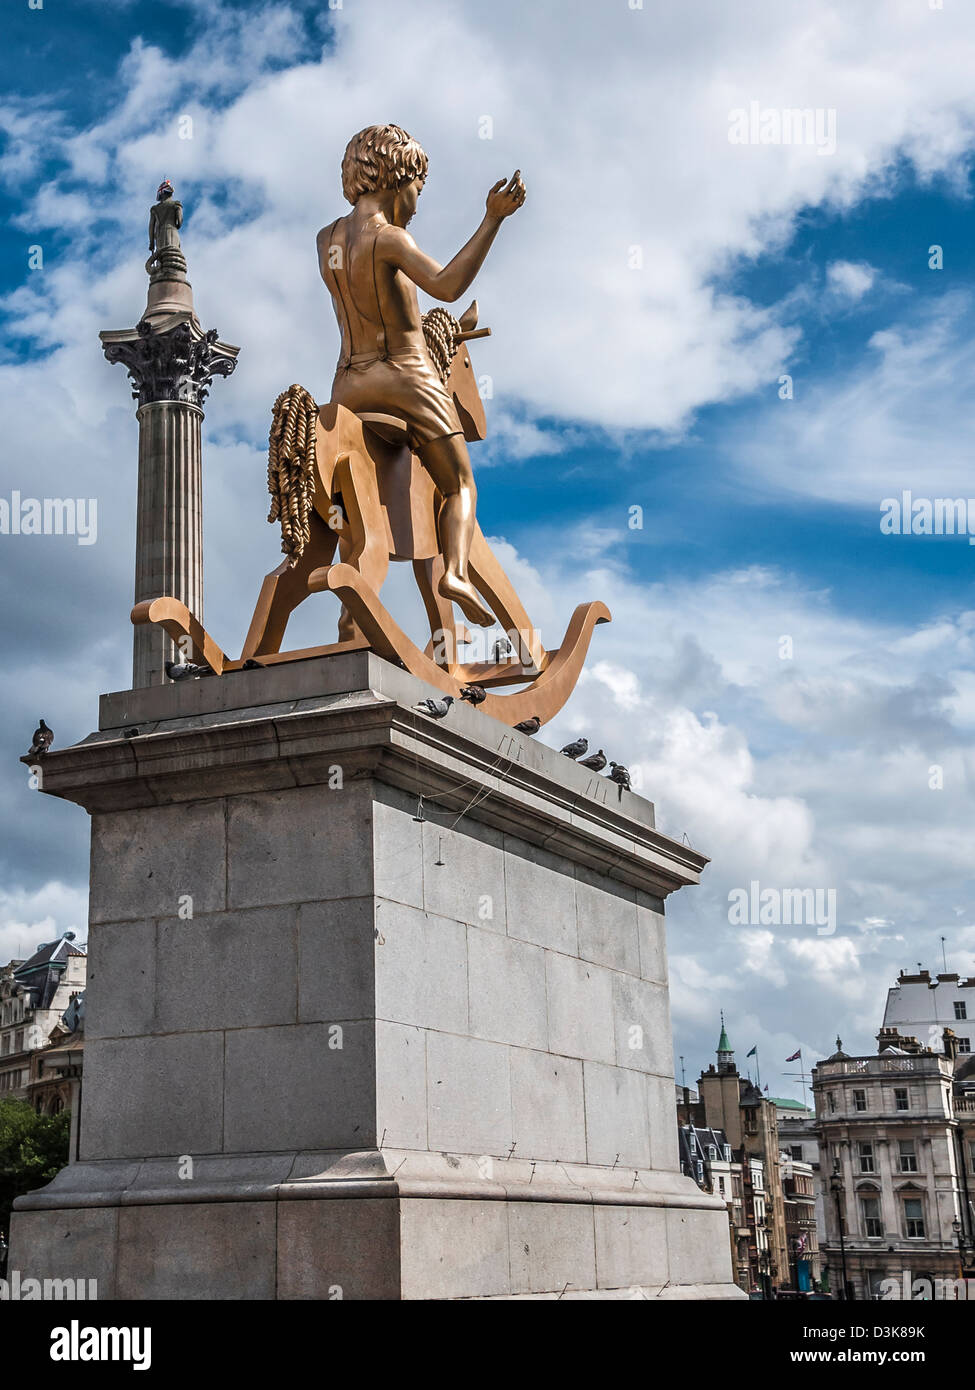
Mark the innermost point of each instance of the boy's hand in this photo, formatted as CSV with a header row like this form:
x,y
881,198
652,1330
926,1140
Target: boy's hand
x,y
502,201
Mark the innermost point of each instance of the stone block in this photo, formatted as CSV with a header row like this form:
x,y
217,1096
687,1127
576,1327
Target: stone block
x,y
660,1123
551,1246
301,845
200,1250
548,1119
421,968
120,992
641,1019
631,1247
468,1096
616,1116
606,920
287,1088
580,1009
142,861
76,1244
336,960
227,970
332,1250
698,1247
463,874
454,1249
397,851
401,1086
539,897
152,1096
507,990
652,931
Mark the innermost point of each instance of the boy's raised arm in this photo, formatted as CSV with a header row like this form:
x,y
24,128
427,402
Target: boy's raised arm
x,y
449,282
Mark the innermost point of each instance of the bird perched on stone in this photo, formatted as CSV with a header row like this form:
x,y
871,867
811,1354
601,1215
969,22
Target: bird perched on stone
x,y
501,648
597,762
436,709
530,725
130,733
186,670
473,694
621,776
251,665
576,749
43,738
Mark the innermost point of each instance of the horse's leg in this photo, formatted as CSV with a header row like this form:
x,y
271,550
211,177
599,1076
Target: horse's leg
x,y
285,588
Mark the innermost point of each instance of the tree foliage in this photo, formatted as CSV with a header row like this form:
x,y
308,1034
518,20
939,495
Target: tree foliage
x,y
32,1149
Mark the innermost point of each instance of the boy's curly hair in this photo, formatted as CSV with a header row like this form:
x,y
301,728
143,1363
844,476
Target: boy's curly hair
x,y
381,156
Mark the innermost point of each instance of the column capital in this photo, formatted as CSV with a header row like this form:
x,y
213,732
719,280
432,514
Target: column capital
x,y
172,360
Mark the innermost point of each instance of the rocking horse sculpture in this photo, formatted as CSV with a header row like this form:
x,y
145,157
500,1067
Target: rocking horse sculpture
x,y
382,472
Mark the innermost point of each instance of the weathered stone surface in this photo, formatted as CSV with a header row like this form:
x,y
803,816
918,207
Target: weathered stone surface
x,y
421,968
198,1250
463,874
227,968
631,1247
468,1095
606,917
120,992
288,1088
143,861
336,960
540,897
300,845
551,1247
338,1250
616,1116
397,853
145,1096
507,990
641,1019
580,1009
454,1249
548,1118
652,931
74,1244
401,1086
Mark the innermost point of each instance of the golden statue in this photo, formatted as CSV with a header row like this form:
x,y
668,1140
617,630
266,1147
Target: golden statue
x,y
383,472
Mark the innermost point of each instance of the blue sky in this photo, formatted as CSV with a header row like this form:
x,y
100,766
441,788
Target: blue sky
x,y
613,388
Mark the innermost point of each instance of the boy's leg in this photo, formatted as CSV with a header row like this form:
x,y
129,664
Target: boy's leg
x,y
449,465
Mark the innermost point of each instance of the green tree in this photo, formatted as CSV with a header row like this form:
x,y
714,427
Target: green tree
x,y
32,1149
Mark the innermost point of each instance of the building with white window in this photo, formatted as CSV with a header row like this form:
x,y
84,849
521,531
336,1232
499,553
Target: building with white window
x,y
923,1006
894,1166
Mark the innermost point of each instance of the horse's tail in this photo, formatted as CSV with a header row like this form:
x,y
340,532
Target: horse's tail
x,y
291,468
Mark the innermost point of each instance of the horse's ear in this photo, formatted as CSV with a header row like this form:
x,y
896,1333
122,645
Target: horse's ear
x,y
468,318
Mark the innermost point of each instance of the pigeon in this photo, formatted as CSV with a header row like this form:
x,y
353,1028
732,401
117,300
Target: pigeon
x,y
437,709
251,665
501,648
130,733
576,749
186,670
43,738
596,763
473,694
529,726
621,776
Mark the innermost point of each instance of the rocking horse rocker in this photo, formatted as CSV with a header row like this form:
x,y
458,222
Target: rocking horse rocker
x,y
381,472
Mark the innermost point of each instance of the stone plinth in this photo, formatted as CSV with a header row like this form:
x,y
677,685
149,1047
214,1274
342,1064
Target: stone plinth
x,y
345,1043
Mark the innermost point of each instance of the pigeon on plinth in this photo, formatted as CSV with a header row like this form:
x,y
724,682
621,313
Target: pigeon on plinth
x,y
576,749
43,738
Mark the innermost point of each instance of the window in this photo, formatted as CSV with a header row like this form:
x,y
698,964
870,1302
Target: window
x,y
721,1186
859,1100
831,1099
902,1100
908,1156
865,1154
971,1153
964,1044
727,1153
914,1218
795,1151
712,1153
870,1215
961,1009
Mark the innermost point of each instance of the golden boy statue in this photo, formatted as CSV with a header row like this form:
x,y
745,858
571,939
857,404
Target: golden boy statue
x,y
373,268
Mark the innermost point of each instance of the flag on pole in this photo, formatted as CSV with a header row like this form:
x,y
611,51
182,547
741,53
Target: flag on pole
x,y
795,1056
753,1052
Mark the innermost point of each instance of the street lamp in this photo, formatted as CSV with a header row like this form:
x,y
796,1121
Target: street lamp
x,y
836,1187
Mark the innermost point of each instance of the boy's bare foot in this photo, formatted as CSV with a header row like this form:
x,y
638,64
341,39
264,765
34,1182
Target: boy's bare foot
x,y
466,597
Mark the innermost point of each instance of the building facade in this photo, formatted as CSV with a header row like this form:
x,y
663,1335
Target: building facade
x,y
923,1006
34,995
890,1153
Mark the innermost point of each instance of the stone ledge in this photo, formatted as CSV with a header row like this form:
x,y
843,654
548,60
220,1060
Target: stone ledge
x,y
338,1175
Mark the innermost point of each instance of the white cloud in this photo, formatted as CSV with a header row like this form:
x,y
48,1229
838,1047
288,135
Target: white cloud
x,y
849,279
